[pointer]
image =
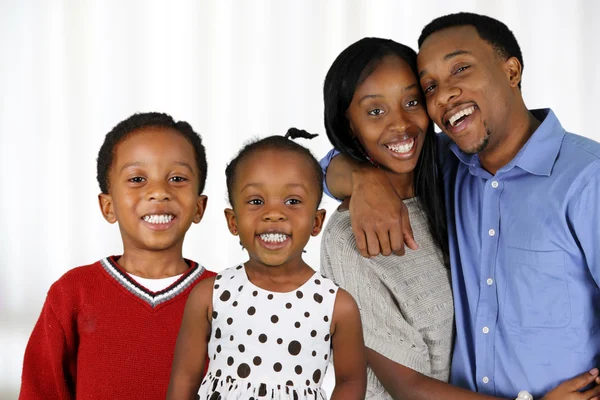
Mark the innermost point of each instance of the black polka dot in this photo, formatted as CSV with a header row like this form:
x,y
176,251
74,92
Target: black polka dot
x,y
255,293
297,324
235,303
325,357
279,341
308,383
318,298
299,294
218,333
262,338
225,295
316,376
229,321
240,288
277,367
238,267
298,369
215,315
249,332
318,282
307,314
217,286
215,395
257,360
218,348
218,373
270,297
313,333
242,348
243,370
294,347
331,291
251,311
289,383
218,277
231,277
327,337
288,305
314,353
262,390
274,319
230,361
326,318
231,338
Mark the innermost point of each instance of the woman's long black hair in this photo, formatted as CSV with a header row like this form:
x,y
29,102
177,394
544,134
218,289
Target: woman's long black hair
x,y
351,68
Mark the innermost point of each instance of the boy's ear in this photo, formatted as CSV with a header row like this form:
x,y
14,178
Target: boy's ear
x,y
106,207
231,221
318,224
200,208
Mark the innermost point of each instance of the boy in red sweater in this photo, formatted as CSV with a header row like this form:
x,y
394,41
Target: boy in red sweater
x,y
108,330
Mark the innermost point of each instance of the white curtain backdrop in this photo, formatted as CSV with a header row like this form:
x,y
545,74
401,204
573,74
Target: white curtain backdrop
x,y
70,70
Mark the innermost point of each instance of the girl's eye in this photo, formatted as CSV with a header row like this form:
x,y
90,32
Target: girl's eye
x,y
255,202
412,103
292,202
178,179
376,112
136,179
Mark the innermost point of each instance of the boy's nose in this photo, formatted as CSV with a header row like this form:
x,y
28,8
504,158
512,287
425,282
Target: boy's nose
x,y
158,192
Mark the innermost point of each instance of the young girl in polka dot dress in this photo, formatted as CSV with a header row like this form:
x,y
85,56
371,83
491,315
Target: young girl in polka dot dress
x,y
271,325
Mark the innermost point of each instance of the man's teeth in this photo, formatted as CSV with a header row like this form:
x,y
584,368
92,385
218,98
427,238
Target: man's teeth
x,y
401,147
158,219
461,113
273,237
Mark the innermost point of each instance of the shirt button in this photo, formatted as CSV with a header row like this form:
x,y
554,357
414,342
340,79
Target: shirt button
x,y
491,232
486,330
489,281
494,184
485,379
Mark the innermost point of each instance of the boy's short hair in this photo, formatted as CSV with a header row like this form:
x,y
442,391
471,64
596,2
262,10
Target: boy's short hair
x,y
143,120
489,29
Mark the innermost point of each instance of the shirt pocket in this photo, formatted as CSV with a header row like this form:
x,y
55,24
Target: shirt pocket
x,y
537,293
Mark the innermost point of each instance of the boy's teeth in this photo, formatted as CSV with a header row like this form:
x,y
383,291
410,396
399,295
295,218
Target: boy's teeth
x,y
458,115
158,219
401,147
273,237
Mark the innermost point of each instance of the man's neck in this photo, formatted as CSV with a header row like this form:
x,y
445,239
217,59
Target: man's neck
x,y
518,131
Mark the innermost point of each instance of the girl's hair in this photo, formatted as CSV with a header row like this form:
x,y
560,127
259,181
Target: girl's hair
x,y
276,142
349,70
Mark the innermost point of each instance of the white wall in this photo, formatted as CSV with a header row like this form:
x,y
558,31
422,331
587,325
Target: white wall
x,y
70,70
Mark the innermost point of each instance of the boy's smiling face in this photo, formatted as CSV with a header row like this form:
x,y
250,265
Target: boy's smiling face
x,y
153,192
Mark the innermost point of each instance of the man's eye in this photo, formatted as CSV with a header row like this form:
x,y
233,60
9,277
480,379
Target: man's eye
x,y
429,89
461,69
376,111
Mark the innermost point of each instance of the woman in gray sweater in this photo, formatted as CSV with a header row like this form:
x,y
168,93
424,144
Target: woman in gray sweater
x,y
374,113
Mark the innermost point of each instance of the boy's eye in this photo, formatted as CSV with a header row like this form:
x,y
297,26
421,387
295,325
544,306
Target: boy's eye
x,y
137,179
255,202
376,112
178,179
292,202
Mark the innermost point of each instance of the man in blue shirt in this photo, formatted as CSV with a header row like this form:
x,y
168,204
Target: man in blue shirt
x,y
523,204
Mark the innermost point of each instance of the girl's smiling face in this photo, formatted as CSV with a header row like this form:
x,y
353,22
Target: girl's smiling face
x,y
387,115
275,211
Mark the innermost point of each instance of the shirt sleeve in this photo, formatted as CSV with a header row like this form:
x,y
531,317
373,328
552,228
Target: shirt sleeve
x,y
585,220
49,363
325,161
384,328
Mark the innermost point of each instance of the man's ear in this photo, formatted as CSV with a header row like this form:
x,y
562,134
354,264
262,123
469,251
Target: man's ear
x,y
201,203
231,221
513,69
318,223
106,207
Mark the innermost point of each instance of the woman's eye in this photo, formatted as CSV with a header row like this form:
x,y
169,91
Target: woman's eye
x,y
178,179
136,179
412,103
376,111
255,202
292,202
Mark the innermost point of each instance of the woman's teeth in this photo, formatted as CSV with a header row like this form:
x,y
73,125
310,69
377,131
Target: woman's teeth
x,y
274,237
403,147
158,219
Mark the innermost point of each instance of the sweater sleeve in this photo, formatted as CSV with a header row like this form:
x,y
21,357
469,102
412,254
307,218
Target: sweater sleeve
x,y
385,329
49,364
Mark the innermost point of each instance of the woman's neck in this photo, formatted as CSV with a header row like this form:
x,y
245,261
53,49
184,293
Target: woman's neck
x,y
403,183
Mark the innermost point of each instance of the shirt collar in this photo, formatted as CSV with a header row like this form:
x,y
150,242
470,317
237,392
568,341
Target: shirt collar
x,y
537,155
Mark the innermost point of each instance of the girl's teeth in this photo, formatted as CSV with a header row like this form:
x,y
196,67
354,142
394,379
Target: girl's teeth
x,y
158,219
273,237
458,115
402,147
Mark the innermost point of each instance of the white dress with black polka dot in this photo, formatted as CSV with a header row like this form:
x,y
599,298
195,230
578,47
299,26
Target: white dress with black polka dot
x,y
268,345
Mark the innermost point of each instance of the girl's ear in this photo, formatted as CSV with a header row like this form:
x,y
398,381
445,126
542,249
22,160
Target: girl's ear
x,y
231,221
318,223
106,207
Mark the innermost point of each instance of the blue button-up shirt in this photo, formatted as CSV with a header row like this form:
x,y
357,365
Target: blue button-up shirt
x,y
525,259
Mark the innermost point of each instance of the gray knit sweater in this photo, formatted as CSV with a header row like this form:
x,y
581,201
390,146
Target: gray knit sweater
x,y
405,301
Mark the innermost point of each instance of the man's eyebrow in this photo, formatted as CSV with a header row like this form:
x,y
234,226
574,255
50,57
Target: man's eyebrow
x,y
446,58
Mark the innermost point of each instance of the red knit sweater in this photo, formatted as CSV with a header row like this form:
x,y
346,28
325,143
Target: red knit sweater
x,y
101,335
